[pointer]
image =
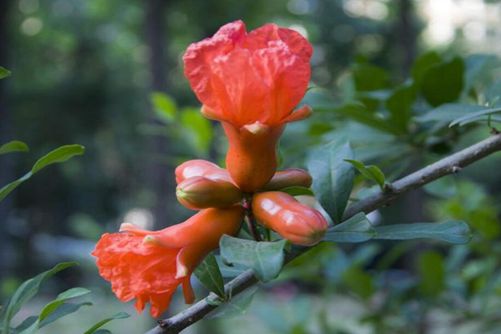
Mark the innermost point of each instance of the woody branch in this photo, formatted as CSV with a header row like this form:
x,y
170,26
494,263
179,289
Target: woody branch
x,y
448,165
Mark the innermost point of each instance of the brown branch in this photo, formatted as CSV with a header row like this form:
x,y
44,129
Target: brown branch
x,y
449,165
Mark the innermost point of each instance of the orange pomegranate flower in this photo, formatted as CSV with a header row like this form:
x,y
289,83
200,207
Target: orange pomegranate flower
x,y
149,265
251,82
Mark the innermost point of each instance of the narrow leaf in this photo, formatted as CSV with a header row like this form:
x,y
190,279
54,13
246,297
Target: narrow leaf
x,y
356,229
264,258
60,154
370,172
455,232
14,146
298,191
62,311
94,329
209,275
4,72
476,116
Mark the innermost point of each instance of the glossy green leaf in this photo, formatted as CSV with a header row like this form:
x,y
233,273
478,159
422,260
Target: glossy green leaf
x,y
332,177
4,72
454,232
94,329
28,290
482,115
164,106
431,273
443,82
356,229
14,146
370,172
298,191
209,275
61,298
266,259
60,154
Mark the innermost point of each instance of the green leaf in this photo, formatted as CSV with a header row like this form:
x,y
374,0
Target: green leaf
x,y
4,72
14,146
236,306
62,311
369,77
25,324
478,66
448,112
431,272
28,290
94,329
229,271
61,298
209,275
266,259
400,106
359,282
298,191
359,113
332,177
370,172
422,64
481,115
356,229
60,154
443,82
164,106
454,232
198,129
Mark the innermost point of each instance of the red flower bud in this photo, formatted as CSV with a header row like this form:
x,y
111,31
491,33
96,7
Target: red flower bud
x,y
294,221
251,158
149,265
289,178
199,167
200,192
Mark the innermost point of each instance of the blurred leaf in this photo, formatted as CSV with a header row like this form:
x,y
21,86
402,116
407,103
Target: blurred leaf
x,y
448,112
359,282
370,172
198,129
28,290
359,113
298,191
94,329
14,146
60,154
444,187
356,229
164,106
477,66
332,177
443,82
264,258
481,115
4,72
235,306
422,64
455,232
431,273
400,106
369,77
209,275
61,311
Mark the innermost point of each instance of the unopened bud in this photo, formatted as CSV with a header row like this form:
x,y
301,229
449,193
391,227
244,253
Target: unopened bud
x,y
200,192
289,178
293,220
199,167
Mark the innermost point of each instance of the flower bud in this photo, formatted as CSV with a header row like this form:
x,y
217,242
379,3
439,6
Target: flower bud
x,y
293,220
289,178
199,167
200,192
251,159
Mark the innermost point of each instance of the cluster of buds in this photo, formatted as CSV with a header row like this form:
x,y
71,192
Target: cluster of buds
x,y
251,83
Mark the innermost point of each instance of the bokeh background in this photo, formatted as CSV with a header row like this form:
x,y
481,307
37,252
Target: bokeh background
x,y
109,75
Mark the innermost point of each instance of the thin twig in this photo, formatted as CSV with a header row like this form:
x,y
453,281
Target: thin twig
x,y
443,167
